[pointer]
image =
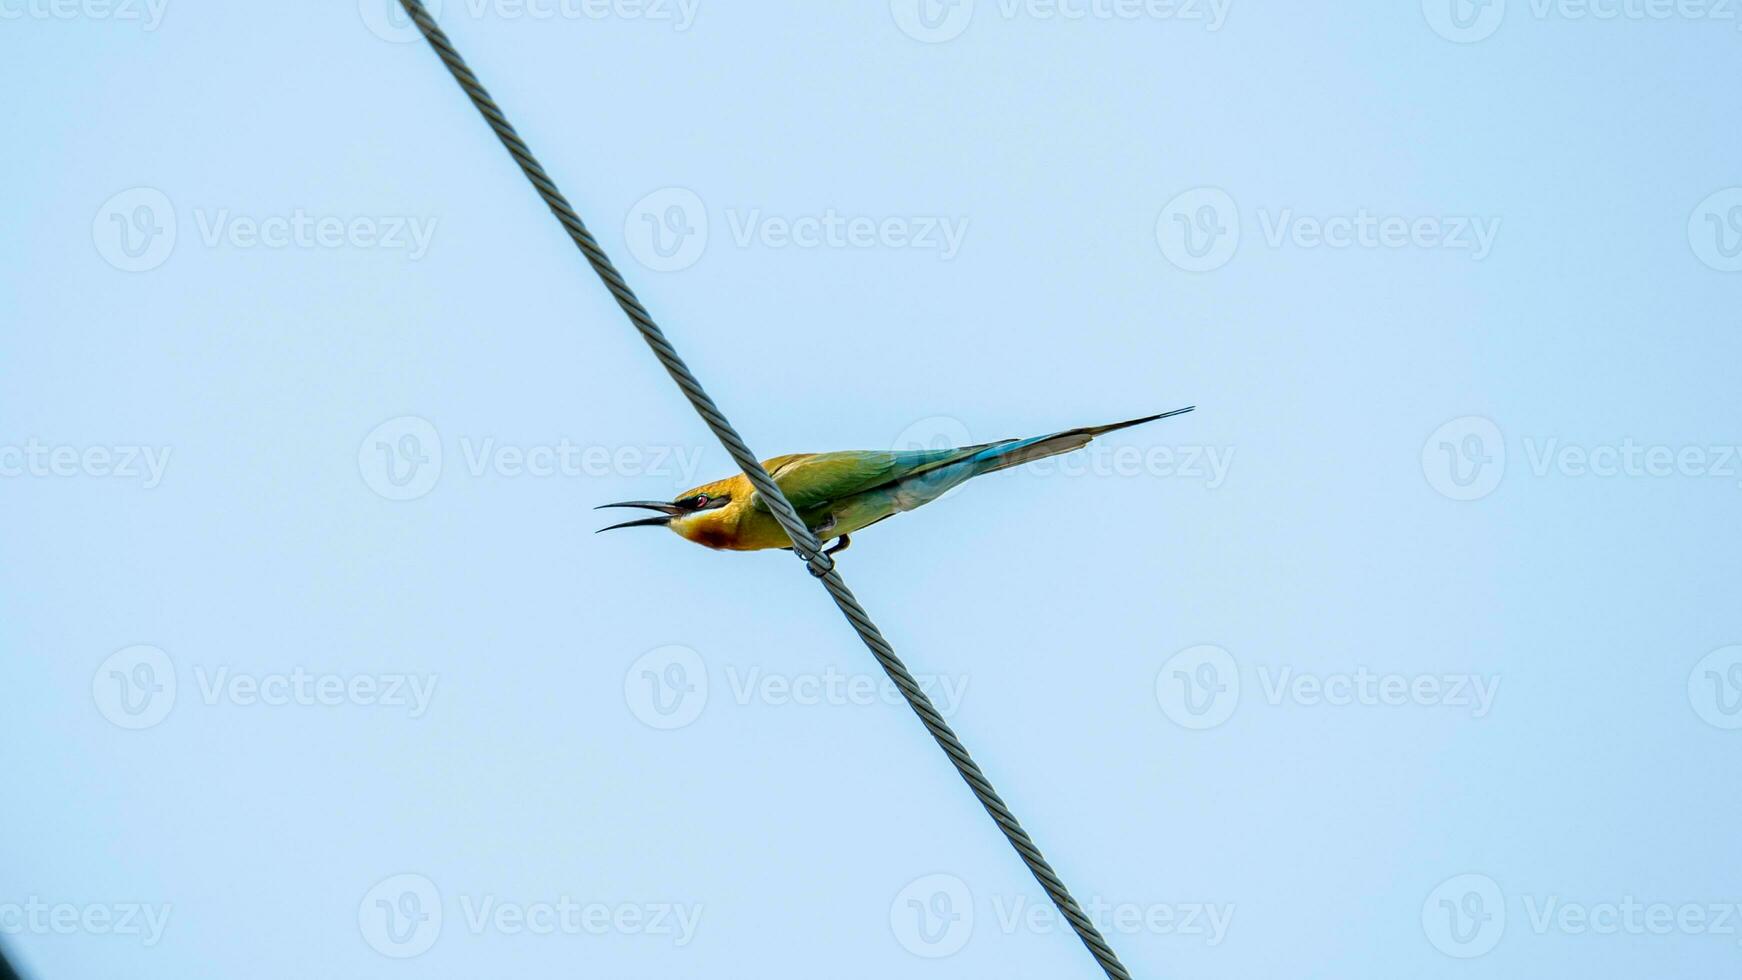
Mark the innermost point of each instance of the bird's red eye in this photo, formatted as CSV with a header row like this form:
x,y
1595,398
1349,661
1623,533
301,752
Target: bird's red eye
x,y
701,500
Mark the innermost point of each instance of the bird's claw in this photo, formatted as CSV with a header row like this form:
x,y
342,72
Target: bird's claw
x,y
820,564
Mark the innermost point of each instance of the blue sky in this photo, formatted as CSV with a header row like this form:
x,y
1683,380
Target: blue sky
x,y
1414,651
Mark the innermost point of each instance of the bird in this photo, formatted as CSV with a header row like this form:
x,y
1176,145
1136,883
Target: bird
x,y
841,493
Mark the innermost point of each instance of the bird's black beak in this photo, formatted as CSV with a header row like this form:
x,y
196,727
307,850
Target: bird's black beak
x,y
668,511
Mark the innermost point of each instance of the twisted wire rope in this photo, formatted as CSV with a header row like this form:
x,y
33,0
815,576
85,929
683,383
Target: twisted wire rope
x,y
805,543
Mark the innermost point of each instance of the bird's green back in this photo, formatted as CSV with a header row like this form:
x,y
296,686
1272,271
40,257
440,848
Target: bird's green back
x,y
811,480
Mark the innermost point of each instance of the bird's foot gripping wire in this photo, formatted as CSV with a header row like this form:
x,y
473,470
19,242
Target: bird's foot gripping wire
x,y
839,546
820,564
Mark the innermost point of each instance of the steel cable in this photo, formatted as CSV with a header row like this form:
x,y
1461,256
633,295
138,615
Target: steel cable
x,y
805,543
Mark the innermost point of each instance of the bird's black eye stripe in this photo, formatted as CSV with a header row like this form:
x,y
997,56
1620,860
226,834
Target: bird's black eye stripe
x,y
702,501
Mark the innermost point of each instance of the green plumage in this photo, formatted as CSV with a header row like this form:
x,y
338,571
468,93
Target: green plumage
x,y
839,493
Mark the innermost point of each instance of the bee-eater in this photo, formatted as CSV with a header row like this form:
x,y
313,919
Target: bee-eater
x,y
840,493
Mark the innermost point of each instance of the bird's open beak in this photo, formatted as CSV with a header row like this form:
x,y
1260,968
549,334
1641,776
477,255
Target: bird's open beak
x,y
668,511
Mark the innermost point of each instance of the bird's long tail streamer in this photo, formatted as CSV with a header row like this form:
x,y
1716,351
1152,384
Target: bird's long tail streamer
x,y
805,544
